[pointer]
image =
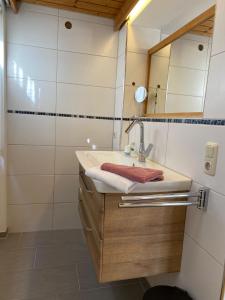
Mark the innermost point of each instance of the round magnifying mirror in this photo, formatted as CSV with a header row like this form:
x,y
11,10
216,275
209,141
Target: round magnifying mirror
x,y
141,94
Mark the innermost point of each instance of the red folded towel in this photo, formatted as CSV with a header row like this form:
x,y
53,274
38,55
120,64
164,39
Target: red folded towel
x,y
136,174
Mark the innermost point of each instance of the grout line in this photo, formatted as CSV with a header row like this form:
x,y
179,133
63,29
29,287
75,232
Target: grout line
x,y
63,82
59,50
211,189
78,279
200,246
167,141
35,258
56,103
217,54
66,83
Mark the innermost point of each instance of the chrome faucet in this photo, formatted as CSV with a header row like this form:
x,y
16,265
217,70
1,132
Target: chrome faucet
x,y
143,153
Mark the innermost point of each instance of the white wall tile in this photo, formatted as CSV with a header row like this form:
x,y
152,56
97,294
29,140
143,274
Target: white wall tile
x,y
207,227
136,68
85,17
66,216
186,149
117,135
29,28
31,129
66,161
159,71
122,41
30,160
200,274
121,66
186,81
66,188
119,102
86,69
164,52
30,94
185,53
30,217
215,93
38,8
31,62
32,71
88,38
155,133
141,39
30,189
182,103
85,100
76,132
159,106
219,30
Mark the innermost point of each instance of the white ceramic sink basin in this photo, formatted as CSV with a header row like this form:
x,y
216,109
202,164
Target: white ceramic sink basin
x,y
172,181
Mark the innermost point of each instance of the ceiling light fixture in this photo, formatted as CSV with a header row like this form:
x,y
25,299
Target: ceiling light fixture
x,y
138,8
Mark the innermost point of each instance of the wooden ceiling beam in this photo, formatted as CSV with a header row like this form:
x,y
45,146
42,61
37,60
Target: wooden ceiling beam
x,y
13,5
122,15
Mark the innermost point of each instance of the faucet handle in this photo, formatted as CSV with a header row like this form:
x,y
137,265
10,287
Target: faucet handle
x,y
148,150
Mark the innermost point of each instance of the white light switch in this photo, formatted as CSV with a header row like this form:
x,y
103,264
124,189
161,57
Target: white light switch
x,y
211,152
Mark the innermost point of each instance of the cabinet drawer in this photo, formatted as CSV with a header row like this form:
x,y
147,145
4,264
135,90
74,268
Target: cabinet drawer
x,y
93,241
126,222
94,204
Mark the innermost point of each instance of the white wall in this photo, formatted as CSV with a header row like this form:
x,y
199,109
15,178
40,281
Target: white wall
x,y
3,143
181,148
56,70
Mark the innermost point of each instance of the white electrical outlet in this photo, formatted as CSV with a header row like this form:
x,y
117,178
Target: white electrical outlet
x,y
211,152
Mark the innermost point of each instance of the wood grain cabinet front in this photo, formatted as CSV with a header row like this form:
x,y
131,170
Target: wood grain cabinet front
x,y
129,243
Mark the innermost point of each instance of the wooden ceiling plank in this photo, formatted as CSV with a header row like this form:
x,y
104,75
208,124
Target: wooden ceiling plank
x,y
14,6
70,8
95,7
106,3
124,12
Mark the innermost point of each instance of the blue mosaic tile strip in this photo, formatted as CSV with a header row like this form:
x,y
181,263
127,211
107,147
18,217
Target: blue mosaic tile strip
x,y
215,122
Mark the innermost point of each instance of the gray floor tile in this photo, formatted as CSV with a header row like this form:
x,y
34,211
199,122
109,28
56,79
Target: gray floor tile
x,y
126,292
69,296
88,280
17,260
38,283
73,236
54,256
9,243
34,239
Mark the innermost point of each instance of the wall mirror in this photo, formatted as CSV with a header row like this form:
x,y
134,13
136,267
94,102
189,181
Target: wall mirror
x,y
178,70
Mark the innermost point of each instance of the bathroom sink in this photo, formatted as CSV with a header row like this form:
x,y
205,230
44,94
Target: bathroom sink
x,y
173,181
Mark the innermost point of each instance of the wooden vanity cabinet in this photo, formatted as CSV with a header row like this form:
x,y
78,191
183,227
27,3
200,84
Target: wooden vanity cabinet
x,y
129,243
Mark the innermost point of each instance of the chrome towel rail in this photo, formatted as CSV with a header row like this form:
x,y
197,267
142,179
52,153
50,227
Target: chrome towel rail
x,y
151,200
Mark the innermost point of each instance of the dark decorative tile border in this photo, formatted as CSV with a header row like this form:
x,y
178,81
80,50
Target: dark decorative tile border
x,y
215,122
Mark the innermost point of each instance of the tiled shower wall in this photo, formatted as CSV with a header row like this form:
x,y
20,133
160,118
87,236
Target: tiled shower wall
x,y
55,70
181,147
